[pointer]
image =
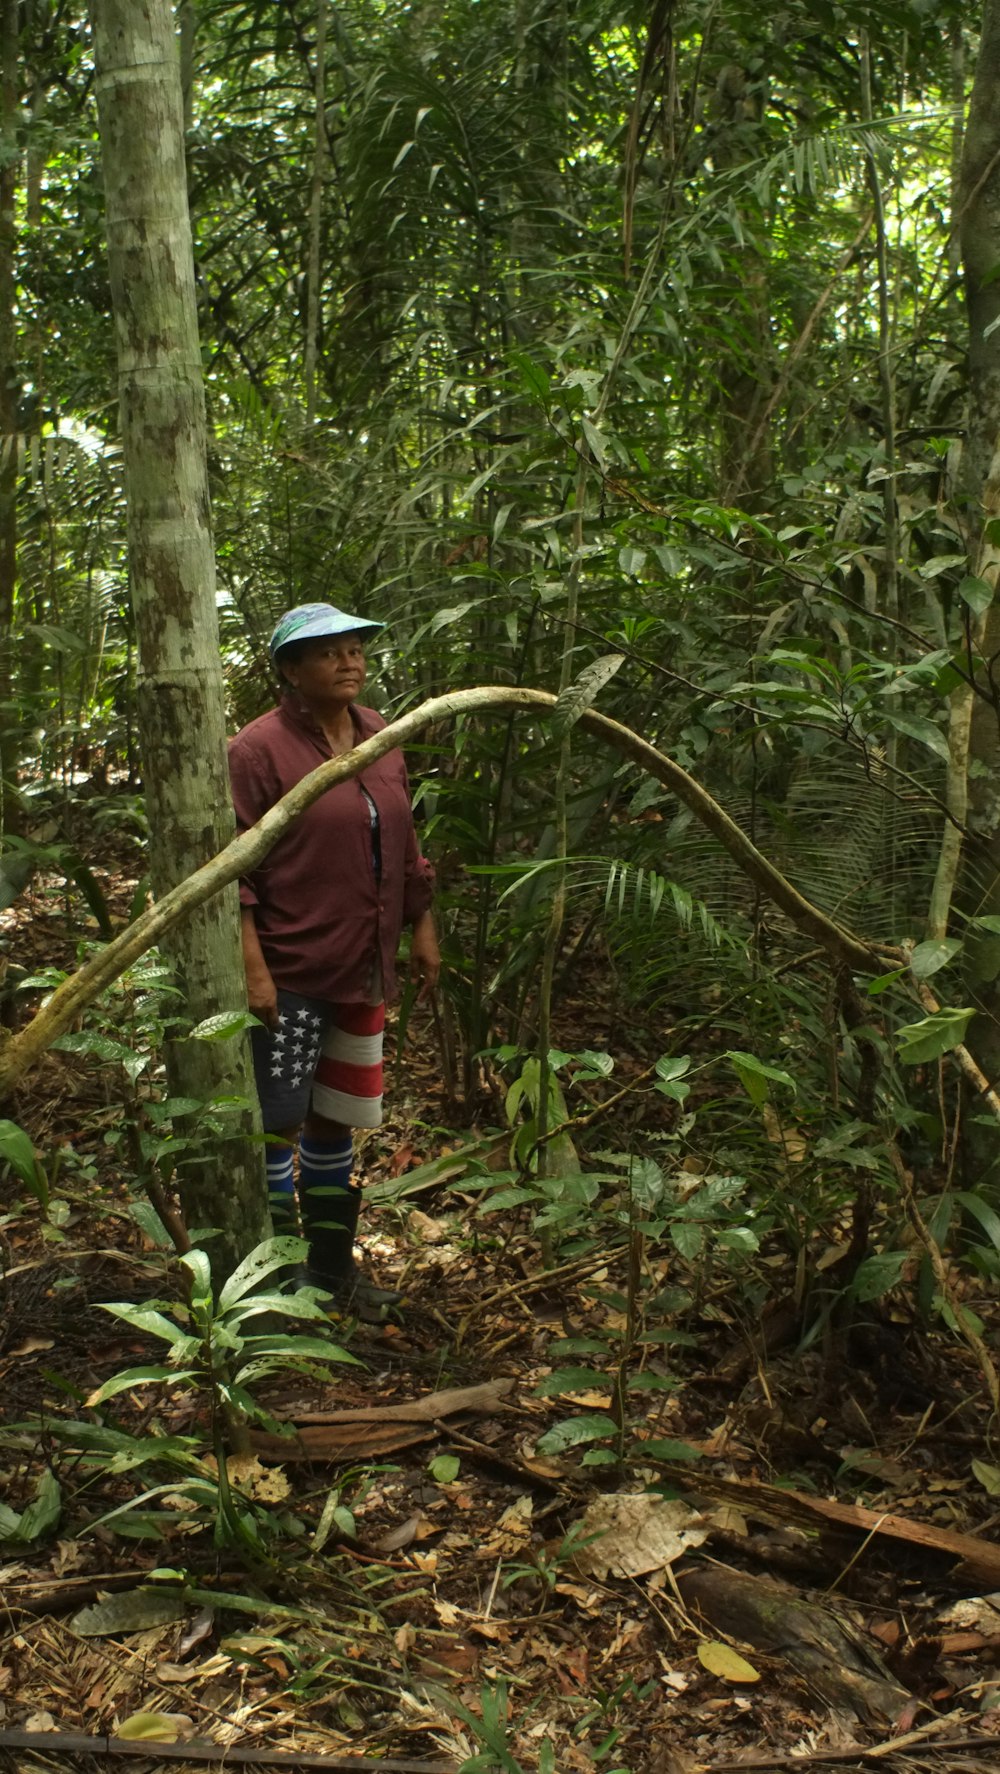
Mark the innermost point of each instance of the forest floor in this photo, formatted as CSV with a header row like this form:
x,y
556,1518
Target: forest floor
x,y
773,1550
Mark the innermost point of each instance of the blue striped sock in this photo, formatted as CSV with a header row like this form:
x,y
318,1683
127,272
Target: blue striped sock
x,y
324,1168
280,1184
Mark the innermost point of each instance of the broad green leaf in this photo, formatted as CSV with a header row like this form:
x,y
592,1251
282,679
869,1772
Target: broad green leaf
x,y
920,728
596,439
960,1319
976,593
739,1238
445,618
197,1264
579,695
876,987
593,1064
941,563
444,1469
300,1304
573,1432
274,1253
932,1036
755,1077
10,1522
981,1210
688,1237
989,921
988,1476
647,1183
143,1318
17,1150
878,1275
647,1381
224,1026
570,1379
632,560
42,1513
281,1348
672,1066
504,1198
928,957
662,1448
139,1376
92,1041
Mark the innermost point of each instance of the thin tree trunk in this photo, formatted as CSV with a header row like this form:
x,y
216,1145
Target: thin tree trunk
x,y
172,569
979,221
313,276
887,382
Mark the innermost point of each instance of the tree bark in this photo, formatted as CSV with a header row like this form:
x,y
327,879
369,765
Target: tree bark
x,y
978,200
10,738
172,571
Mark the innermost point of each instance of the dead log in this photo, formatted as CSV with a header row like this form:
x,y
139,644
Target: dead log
x,y
976,1565
820,1644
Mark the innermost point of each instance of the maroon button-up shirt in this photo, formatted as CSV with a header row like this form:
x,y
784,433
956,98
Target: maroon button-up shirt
x,y
322,916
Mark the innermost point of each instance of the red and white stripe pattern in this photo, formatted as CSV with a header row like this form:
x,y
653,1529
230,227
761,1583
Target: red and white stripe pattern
x,y
348,1082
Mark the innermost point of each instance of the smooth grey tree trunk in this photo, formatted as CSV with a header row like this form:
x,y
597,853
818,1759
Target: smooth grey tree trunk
x,y
172,572
978,201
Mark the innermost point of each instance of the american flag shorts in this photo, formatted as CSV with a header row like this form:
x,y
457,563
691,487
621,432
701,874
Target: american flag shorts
x,y
327,1056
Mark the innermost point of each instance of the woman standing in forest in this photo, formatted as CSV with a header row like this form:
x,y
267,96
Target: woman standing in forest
x,y
322,917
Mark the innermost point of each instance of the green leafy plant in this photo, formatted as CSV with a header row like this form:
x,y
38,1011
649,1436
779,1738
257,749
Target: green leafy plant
x,y
220,1347
18,1153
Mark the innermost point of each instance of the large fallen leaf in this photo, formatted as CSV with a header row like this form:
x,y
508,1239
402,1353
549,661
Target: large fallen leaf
x,y
134,1611
634,1534
720,1659
159,1727
377,1430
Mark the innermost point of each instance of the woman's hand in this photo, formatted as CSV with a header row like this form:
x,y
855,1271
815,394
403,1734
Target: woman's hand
x,y
425,955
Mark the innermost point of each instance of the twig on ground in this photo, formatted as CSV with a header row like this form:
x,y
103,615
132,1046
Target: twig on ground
x,y
75,1743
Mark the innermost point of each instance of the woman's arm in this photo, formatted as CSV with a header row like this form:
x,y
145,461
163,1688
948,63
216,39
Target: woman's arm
x,y
425,955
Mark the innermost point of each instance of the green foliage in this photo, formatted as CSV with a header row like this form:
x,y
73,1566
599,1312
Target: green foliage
x,y
17,1151
219,1348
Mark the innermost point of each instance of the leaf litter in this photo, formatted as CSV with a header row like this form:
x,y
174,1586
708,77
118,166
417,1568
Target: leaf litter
x,y
517,1567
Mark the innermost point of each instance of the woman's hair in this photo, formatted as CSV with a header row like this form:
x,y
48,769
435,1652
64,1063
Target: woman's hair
x,y
289,653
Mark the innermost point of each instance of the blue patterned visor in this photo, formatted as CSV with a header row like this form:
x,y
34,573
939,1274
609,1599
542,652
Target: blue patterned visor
x,y
308,622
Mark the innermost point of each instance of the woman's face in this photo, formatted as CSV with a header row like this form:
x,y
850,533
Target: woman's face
x,y
330,671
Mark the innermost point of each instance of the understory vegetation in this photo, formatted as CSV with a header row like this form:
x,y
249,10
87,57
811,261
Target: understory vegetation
x,y
645,355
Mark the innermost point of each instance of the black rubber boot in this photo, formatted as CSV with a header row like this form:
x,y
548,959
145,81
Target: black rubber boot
x,y
331,1221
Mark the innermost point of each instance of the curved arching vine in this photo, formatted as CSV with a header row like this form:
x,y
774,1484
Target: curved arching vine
x,y
843,946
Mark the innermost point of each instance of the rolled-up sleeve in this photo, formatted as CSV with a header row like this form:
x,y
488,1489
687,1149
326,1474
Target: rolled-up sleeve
x,y
249,802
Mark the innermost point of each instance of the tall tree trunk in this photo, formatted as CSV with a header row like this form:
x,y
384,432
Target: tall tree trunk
x,y
172,570
9,395
314,268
